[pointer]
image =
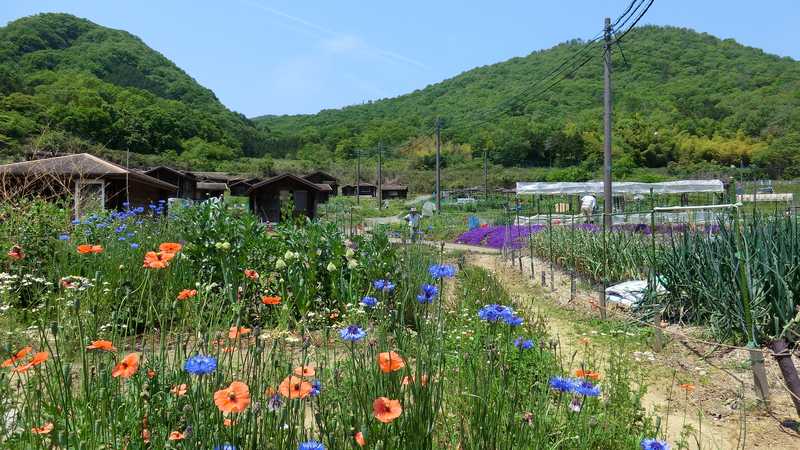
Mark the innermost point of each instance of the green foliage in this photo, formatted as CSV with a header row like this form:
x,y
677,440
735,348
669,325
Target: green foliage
x,y
107,87
683,97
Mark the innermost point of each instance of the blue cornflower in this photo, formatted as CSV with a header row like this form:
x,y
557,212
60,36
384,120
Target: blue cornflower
x,y
654,444
76,221
138,209
275,402
442,271
562,384
120,228
225,447
512,320
126,204
352,333
428,293
523,344
63,237
316,388
495,312
369,302
588,389
121,238
383,285
311,445
134,245
100,225
200,365
130,234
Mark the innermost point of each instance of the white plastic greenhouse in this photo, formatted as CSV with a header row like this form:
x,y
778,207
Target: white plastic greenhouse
x,y
621,187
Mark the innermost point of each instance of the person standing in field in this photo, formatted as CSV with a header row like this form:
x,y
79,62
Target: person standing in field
x,y
588,202
413,219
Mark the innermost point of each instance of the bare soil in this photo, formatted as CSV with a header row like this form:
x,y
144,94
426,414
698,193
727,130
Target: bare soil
x,y
722,412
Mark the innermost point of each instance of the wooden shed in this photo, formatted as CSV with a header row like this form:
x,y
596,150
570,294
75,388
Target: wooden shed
x,y
394,191
91,182
368,189
268,196
207,190
320,177
185,181
239,188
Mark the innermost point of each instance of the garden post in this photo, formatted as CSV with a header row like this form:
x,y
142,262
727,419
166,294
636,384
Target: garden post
x,y
783,356
759,374
530,236
550,230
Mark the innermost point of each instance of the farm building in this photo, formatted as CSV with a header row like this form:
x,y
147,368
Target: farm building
x,y
320,177
394,191
185,181
93,183
206,190
267,197
368,189
240,188
217,177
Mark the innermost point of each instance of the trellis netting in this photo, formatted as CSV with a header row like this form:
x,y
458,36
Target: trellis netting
x,y
621,187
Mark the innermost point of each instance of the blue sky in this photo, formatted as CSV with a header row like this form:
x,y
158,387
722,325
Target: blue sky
x,y
288,57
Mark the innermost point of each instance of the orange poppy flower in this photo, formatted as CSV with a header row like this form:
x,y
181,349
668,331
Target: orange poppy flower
x,y
588,374
228,422
176,436
106,346
234,398
127,367
294,387
304,371
170,247
39,358
145,435
151,374
688,387
23,352
84,249
386,410
251,274
585,341
271,300
153,260
412,379
359,437
179,390
16,253
44,429
390,361
270,391
235,332
186,294
228,349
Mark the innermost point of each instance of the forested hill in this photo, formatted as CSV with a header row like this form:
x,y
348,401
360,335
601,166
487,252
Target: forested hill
x,y
66,82
681,97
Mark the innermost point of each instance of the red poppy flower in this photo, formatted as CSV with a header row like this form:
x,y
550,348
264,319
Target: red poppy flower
x,y
84,249
16,253
304,371
294,387
170,247
186,294
271,300
127,367
179,390
359,438
44,429
251,274
106,346
23,352
176,436
235,332
386,410
390,362
233,399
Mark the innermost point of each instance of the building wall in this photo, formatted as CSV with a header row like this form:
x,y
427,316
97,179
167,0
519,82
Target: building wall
x,y
266,202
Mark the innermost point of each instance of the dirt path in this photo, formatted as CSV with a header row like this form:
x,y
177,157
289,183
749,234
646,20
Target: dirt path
x,y
721,413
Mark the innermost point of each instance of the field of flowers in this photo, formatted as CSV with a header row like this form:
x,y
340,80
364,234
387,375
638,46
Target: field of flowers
x,y
202,328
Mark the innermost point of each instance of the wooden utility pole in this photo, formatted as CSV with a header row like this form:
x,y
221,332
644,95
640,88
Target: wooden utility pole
x,y
485,175
607,192
380,175
438,168
358,176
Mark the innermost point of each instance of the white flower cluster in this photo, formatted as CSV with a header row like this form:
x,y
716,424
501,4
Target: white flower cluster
x,y
10,282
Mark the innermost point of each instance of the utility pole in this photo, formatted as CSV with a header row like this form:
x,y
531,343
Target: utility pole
x,y
438,169
607,192
380,175
485,176
358,176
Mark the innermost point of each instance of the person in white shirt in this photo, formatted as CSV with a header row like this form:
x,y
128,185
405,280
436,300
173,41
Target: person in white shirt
x,y
413,219
588,202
